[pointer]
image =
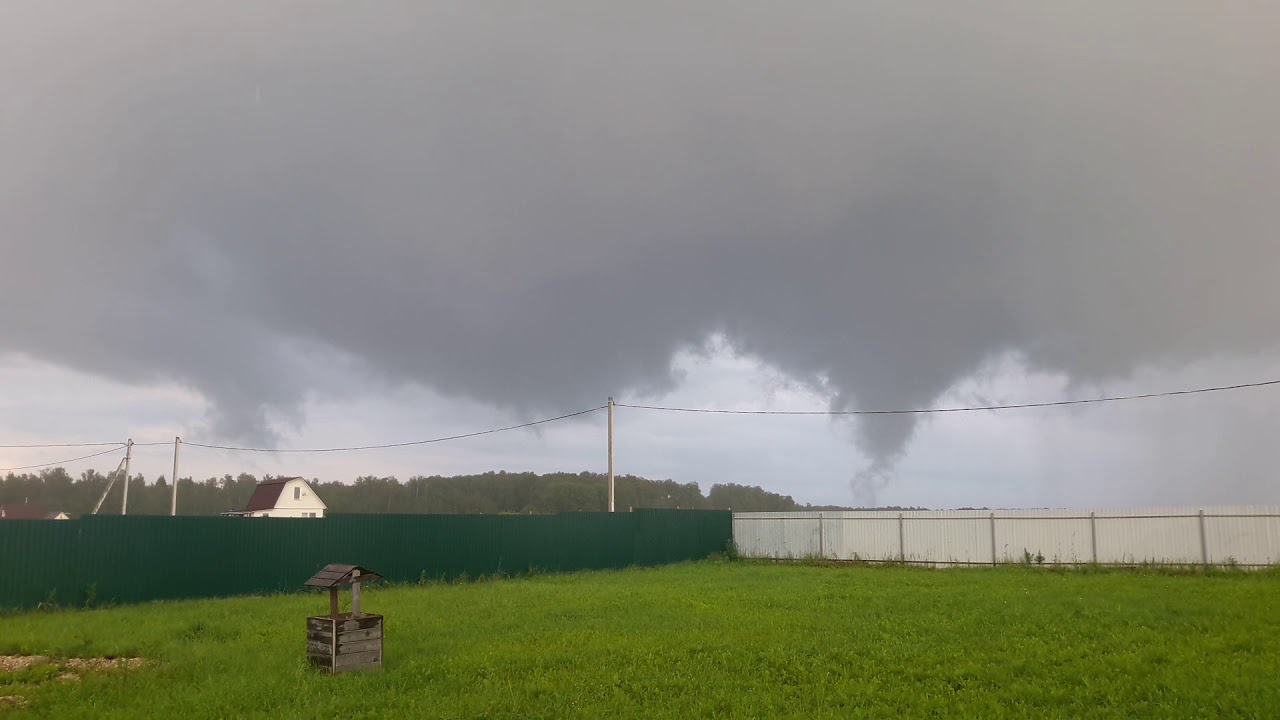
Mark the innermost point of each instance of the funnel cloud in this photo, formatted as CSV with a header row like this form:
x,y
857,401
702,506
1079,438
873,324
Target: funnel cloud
x,y
540,206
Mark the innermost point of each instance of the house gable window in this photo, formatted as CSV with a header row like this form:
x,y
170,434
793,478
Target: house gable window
x,y
297,493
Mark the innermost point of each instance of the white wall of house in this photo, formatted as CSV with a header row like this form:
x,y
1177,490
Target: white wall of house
x,y
297,500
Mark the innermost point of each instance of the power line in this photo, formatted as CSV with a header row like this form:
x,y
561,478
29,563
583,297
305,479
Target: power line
x,y
61,462
64,445
1057,403
954,409
393,445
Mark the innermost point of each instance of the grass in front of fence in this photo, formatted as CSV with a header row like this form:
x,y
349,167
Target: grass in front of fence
x,y
727,639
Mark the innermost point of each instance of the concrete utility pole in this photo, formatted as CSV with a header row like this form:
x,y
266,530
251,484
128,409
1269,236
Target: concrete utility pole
x,y
128,454
611,453
111,482
173,500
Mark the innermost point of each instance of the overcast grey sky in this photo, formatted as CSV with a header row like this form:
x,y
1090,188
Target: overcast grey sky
x,y
311,223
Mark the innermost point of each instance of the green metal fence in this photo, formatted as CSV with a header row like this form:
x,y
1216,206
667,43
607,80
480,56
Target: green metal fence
x,y
139,558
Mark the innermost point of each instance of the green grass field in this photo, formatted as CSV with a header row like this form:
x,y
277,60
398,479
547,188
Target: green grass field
x,y
711,639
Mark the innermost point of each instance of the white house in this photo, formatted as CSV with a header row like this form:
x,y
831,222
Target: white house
x,y
284,497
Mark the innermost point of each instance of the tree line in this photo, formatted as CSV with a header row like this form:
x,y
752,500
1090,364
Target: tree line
x,y
491,492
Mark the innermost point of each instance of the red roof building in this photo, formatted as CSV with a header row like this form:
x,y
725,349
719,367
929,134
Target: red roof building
x,y
283,497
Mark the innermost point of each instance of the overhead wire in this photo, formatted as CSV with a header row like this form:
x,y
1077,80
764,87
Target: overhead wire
x,y
716,411
62,462
186,443
975,408
63,445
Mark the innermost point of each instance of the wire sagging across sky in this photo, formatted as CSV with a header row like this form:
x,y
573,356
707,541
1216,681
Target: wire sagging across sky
x,y
399,444
60,445
114,446
975,408
119,447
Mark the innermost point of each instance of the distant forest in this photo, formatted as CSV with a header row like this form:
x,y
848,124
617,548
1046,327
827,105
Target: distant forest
x,y
491,492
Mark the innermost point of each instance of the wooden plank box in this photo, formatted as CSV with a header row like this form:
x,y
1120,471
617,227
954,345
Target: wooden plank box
x,y
344,643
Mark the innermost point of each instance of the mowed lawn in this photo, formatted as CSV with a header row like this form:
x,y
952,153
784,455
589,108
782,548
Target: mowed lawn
x,y
709,639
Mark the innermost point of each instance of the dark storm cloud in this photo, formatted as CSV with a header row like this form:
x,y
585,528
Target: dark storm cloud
x,y
536,205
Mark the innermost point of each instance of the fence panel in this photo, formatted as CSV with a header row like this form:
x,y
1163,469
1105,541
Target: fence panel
x,y
782,535
1171,538
1247,535
1245,539
947,538
855,536
40,554
140,558
1058,536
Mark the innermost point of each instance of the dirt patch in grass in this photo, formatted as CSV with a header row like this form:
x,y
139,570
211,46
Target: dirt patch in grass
x,y
103,663
14,663
26,672
31,670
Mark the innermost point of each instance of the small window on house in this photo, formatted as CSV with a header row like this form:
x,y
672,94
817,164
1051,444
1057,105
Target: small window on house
x,y
297,493
266,514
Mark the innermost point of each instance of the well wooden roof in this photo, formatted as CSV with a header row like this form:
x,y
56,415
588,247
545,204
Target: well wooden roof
x,y
336,575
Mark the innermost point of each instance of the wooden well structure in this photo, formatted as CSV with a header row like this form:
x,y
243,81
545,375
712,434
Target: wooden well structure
x,y
342,642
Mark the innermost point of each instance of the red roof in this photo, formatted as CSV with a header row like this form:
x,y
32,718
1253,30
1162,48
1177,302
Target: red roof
x,y
24,512
266,494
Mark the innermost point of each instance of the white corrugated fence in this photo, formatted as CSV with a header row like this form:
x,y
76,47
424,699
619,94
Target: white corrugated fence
x,y
1244,535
